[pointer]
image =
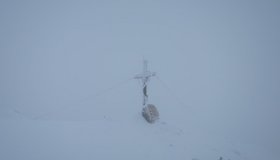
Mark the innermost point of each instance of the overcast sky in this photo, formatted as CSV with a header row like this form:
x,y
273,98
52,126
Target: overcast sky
x,y
220,57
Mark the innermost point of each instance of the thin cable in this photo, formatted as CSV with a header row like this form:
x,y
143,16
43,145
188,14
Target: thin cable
x,y
104,91
98,94
170,91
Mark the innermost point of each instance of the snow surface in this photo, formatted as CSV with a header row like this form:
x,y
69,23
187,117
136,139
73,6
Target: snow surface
x,y
116,130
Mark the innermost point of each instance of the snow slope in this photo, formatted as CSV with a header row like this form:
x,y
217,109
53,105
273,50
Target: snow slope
x,y
107,139
104,129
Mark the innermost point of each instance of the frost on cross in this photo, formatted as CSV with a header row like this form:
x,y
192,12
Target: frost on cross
x,y
149,112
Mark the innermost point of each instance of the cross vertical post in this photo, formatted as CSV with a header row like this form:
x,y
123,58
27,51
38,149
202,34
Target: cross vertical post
x,y
145,77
